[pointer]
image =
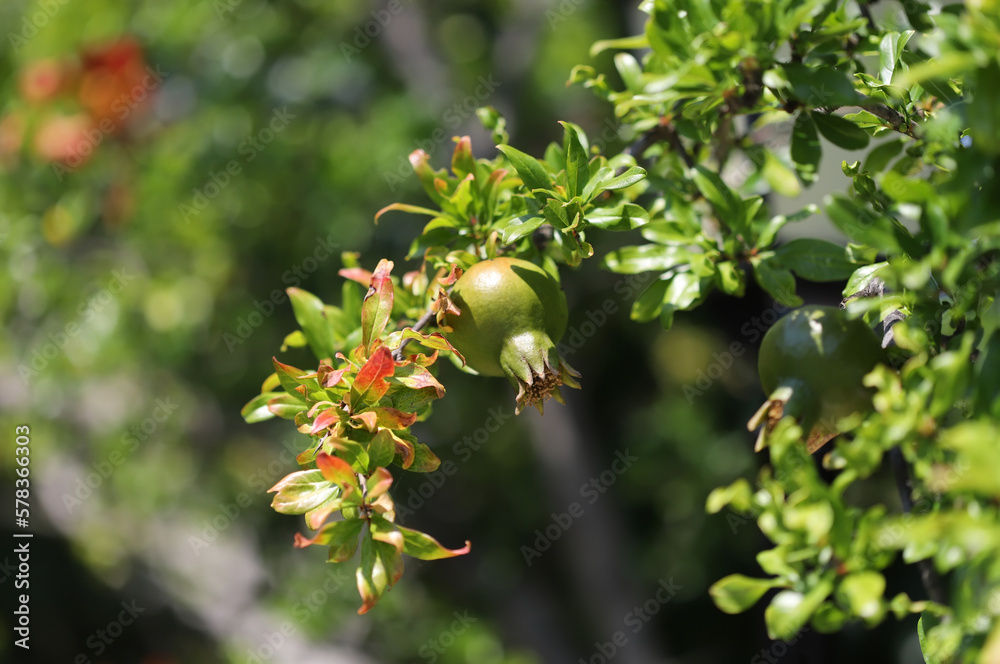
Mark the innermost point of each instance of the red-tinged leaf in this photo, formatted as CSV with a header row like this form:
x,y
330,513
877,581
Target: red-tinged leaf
x,y
373,579
423,360
388,532
369,385
454,275
423,546
340,536
302,491
352,452
383,506
330,377
424,461
437,341
418,378
325,420
318,406
368,419
316,516
291,378
338,471
307,456
378,483
462,161
403,207
286,406
419,160
377,305
391,418
404,451
358,274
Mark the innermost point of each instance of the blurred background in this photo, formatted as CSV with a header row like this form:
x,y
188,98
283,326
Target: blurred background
x,y
165,169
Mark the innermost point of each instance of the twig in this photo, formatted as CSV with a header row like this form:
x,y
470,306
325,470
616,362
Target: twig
x,y
891,116
928,575
675,143
646,140
867,13
397,354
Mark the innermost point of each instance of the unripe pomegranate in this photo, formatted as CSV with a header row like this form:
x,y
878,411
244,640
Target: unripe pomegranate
x,y
822,355
512,313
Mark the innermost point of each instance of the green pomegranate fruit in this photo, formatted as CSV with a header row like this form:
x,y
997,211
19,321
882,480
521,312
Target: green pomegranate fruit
x,y
512,313
822,355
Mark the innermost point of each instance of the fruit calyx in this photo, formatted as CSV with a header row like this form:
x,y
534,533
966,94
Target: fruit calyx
x,y
536,369
511,313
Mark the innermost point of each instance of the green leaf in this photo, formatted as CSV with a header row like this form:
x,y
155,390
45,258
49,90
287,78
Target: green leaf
x,y
644,258
781,178
737,593
257,409
377,306
984,111
577,164
624,43
684,290
889,50
630,71
769,229
521,227
353,452
425,547
841,132
302,491
381,450
822,86
862,224
738,494
776,280
624,217
882,154
403,207
340,536
790,610
286,406
626,179
816,260
861,277
531,171
861,593
806,149
727,204
650,303
308,310
424,461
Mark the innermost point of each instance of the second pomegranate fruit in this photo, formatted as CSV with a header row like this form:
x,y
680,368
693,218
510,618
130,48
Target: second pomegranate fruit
x,y
512,315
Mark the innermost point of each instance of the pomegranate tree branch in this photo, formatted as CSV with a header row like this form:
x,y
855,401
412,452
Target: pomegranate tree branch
x,y
424,320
